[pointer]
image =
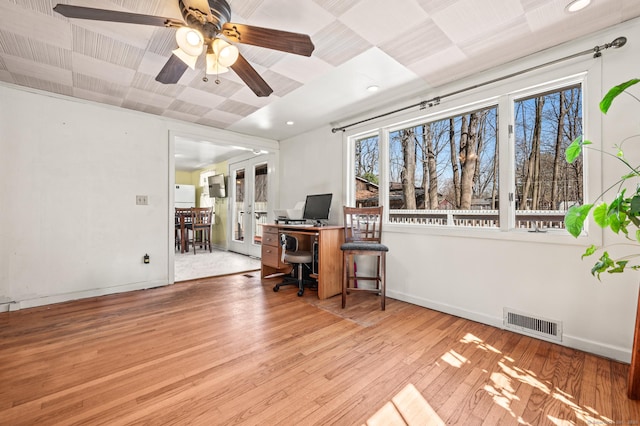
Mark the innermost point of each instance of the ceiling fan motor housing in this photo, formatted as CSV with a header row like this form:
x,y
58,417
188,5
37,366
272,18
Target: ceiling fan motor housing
x,y
208,22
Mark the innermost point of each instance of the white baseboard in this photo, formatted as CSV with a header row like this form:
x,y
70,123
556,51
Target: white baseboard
x,y
597,348
66,297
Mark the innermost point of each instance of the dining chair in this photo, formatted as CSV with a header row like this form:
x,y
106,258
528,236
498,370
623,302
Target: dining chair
x,y
362,237
182,225
201,227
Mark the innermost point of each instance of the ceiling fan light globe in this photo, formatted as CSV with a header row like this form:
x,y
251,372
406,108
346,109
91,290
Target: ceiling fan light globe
x,y
190,41
213,66
226,53
190,60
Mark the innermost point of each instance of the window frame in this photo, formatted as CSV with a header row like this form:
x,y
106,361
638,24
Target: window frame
x,y
503,97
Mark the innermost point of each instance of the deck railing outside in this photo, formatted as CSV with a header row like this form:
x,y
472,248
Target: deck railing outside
x,y
525,219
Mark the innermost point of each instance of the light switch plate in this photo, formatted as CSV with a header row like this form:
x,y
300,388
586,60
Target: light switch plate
x,y
142,200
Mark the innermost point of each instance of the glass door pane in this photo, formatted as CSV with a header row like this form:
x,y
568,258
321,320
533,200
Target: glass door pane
x,y
260,201
239,207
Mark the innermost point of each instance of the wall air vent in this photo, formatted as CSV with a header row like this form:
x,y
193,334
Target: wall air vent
x,y
532,326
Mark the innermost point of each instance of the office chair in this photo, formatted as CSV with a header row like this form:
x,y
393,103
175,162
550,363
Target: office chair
x,y
299,259
362,235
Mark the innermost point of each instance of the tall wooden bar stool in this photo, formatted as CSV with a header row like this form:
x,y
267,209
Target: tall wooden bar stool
x,y
362,235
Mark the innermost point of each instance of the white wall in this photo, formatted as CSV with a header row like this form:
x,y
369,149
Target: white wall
x,y
69,174
476,275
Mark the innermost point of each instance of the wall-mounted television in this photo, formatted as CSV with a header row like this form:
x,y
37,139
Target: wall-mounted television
x,y
217,186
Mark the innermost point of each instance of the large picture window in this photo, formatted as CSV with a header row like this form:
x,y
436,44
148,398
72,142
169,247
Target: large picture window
x,y
443,166
445,170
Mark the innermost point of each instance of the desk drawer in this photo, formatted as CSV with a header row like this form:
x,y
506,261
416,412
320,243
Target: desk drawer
x,y
271,255
270,236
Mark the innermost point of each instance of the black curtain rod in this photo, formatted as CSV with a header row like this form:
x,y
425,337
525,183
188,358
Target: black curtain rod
x,y
597,52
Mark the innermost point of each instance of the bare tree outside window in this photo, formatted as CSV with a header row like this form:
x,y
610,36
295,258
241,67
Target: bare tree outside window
x,y
545,124
446,165
367,156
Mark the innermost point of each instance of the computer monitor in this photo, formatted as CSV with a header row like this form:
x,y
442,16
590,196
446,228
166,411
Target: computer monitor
x,y
317,207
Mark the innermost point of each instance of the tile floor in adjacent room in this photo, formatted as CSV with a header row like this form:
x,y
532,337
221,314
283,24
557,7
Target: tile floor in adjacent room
x,y
189,266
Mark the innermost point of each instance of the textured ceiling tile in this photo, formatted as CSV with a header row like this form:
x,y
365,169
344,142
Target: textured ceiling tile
x,y
6,75
163,41
25,67
336,7
104,48
244,8
97,97
299,16
520,43
377,21
529,5
151,99
34,50
445,59
103,70
301,68
280,84
199,97
222,117
225,89
236,108
433,6
22,20
214,123
180,115
188,108
467,20
147,83
42,6
147,7
337,43
140,106
48,86
423,40
261,56
97,85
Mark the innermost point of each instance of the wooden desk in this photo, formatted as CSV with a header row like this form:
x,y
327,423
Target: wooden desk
x,y
329,240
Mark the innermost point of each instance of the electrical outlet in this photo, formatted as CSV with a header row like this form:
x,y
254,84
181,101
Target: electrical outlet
x,y
142,200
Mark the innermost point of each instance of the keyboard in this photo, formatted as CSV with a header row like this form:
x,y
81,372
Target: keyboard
x,y
299,225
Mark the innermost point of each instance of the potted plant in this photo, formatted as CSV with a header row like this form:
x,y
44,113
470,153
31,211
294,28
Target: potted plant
x,y
620,214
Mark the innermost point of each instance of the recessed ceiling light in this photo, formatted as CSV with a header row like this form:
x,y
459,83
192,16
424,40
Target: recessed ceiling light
x,y
577,5
373,88
290,123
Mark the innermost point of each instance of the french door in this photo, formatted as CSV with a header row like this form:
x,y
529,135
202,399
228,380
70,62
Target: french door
x,y
249,185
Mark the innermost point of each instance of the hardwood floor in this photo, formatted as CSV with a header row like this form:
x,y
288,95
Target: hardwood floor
x,y
229,350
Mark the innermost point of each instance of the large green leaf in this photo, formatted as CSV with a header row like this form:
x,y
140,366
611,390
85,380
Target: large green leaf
x,y
600,215
575,217
605,103
574,149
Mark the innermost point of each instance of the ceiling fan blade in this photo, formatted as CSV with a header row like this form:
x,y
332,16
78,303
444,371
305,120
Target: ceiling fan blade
x,y
300,44
81,12
250,76
172,70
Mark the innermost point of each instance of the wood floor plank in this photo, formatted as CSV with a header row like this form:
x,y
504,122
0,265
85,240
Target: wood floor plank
x,y
229,350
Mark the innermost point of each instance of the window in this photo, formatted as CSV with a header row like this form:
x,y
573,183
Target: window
x,y
545,184
367,155
444,169
445,172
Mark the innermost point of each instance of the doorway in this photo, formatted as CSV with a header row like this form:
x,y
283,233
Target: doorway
x,y
248,202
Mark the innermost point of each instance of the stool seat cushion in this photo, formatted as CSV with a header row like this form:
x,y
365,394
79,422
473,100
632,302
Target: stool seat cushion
x,y
364,246
298,257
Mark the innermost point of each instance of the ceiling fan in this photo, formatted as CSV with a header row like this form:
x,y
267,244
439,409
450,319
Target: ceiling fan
x,y
204,24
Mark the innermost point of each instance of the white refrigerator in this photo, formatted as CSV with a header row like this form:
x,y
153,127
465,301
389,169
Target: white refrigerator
x,y
185,196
